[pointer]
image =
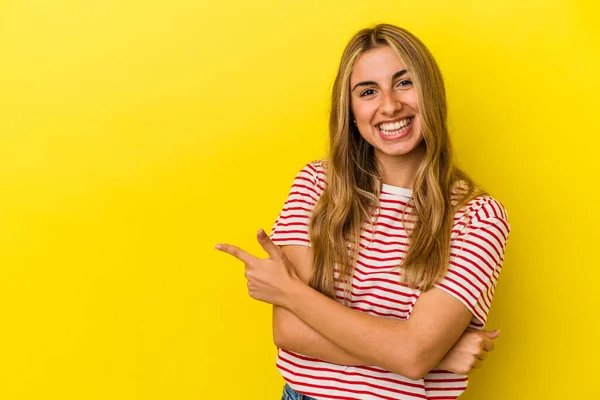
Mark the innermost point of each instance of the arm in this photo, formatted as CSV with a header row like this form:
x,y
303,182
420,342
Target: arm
x,y
291,333
440,316
410,348
274,280
270,279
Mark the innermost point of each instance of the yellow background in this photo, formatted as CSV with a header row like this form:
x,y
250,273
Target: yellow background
x,y
134,135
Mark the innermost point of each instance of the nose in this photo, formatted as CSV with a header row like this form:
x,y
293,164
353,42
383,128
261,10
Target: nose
x,y
390,105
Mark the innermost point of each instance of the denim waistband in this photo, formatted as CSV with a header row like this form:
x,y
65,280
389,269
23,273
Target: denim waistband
x,y
291,394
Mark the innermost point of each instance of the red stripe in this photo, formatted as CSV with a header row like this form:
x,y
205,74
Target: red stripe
x,y
299,184
344,372
379,259
473,295
467,239
445,389
400,220
393,201
467,270
392,227
386,234
447,380
365,368
473,310
378,313
503,233
377,296
387,290
354,391
479,257
293,224
310,179
396,243
303,196
279,239
290,208
400,310
383,280
382,251
407,210
480,297
478,289
312,168
485,273
375,267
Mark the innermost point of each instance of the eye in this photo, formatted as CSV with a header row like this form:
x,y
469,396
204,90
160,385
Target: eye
x,y
405,83
367,92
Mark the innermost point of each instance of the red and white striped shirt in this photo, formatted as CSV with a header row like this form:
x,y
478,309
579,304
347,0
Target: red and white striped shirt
x,y
478,239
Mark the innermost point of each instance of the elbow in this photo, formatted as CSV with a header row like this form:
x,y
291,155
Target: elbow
x,y
278,337
410,364
422,362
415,372
279,331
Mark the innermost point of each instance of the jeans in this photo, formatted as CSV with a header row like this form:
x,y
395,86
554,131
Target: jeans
x,y
291,394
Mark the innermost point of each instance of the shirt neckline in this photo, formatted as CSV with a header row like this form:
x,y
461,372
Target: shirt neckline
x,y
396,190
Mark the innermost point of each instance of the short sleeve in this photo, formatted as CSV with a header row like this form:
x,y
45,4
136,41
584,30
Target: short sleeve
x,y
291,226
476,257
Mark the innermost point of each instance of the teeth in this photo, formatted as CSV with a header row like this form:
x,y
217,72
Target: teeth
x,y
393,129
394,126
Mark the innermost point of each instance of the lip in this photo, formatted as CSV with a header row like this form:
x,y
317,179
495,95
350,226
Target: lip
x,y
398,136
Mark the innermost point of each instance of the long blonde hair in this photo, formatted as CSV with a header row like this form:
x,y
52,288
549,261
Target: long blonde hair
x,y
354,177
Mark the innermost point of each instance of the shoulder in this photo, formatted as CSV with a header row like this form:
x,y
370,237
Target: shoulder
x,y
484,206
487,207
316,167
483,212
314,173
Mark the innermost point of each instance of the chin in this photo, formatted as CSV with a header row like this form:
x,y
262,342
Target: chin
x,y
399,149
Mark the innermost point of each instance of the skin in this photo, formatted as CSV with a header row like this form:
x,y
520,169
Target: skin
x,y
410,348
306,321
382,92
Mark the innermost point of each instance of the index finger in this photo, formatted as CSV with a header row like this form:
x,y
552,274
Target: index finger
x,y
238,253
267,244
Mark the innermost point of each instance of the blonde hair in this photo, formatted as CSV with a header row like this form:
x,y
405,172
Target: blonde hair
x,y
354,177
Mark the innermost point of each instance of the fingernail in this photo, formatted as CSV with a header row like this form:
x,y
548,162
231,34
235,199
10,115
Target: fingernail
x,y
218,247
497,331
261,233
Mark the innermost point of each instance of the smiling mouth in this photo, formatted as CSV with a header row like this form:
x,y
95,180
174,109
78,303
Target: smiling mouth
x,y
396,128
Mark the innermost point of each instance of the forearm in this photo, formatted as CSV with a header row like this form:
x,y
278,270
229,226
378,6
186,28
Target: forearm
x,y
384,342
291,333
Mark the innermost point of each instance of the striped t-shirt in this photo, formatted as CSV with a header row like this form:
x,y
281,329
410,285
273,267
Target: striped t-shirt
x,y
478,239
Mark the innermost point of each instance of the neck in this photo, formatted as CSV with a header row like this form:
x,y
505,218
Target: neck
x,y
400,170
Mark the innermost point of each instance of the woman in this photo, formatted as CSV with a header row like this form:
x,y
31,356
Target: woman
x,y
385,229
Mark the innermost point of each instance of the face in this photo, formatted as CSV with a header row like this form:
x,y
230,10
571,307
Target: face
x,y
384,103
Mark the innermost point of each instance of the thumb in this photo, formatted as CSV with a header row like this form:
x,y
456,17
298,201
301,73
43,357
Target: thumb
x,y
491,334
267,244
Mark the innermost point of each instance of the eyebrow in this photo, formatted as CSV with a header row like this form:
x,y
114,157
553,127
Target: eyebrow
x,y
367,83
